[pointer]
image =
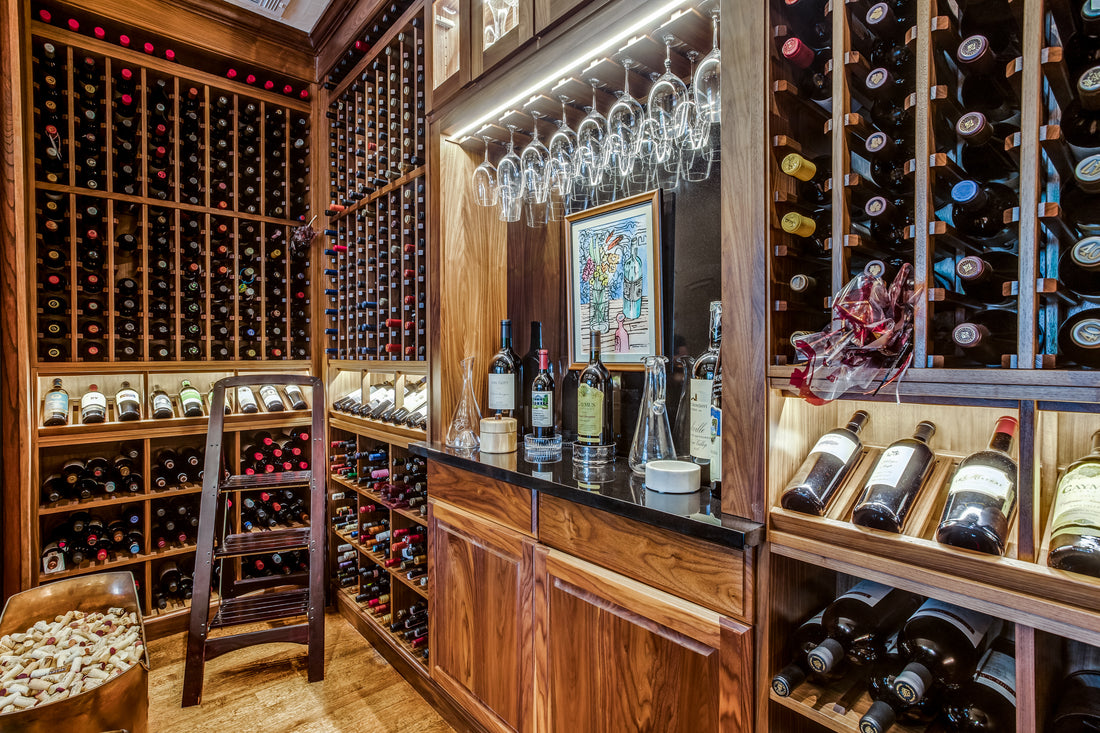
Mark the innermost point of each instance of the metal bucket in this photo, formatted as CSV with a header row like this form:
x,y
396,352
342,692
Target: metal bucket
x,y
121,703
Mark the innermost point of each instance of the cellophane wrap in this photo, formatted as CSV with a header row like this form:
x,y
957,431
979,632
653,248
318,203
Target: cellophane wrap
x,y
869,339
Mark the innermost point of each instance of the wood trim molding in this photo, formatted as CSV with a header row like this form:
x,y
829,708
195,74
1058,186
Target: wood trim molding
x,y
218,28
15,379
337,27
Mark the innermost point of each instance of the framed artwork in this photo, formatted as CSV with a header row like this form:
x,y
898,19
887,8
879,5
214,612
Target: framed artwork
x,y
613,273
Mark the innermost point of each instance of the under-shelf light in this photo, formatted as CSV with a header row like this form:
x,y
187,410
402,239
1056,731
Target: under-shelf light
x,y
582,60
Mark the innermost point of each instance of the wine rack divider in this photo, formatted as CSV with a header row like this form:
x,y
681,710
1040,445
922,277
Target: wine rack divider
x,y
146,64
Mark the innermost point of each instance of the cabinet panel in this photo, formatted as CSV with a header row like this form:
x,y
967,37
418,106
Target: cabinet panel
x,y
548,12
510,505
498,28
614,654
480,637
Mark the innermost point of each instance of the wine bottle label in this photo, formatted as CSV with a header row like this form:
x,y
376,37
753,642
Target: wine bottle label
x,y
838,445
162,402
715,443
542,409
891,465
502,392
245,398
971,624
700,418
56,402
126,395
270,395
989,481
190,398
92,401
589,413
997,671
868,592
1077,503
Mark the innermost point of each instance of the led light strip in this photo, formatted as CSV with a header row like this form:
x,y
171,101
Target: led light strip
x,y
578,62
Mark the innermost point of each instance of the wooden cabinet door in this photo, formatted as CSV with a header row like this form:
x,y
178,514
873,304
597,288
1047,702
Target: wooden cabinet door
x,y
497,28
615,654
549,12
480,607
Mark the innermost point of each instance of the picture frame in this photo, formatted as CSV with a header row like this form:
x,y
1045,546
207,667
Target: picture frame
x,y
613,279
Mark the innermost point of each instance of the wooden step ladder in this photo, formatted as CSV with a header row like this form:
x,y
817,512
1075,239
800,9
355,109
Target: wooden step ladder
x,y
252,600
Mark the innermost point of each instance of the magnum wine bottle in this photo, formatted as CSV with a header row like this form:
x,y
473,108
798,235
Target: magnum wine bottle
x,y
942,643
893,485
986,703
831,459
982,495
1075,516
1078,709
55,407
859,623
595,399
805,639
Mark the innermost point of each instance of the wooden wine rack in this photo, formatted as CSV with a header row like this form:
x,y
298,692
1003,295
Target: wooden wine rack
x,y
249,221
378,266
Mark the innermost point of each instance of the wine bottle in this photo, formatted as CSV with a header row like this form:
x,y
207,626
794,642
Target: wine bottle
x,y
1075,516
246,400
505,374
93,406
978,211
894,482
270,396
594,398
190,400
888,156
987,701
813,177
530,364
542,398
815,229
987,336
702,384
1079,337
1079,267
982,495
983,276
984,86
859,623
1078,709
805,639
127,403
943,643
55,407
830,461
813,72
716,431
162,404
983,153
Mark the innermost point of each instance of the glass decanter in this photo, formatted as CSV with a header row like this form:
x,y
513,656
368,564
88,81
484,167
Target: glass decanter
x,y
463,430
653,435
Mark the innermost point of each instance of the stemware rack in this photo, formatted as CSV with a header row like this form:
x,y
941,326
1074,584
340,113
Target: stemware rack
x,y
1034,300
377,227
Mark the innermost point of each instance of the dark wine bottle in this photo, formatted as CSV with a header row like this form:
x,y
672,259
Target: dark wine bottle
x,y
987,336
1079,337
530,362
1075,516
986,703
893,485
830,461
888,707
984,87
812,175
55,407
811,64
505,378
1079,267
983,276
983,153
542,399
804,640
595,404
981,498
127,403
1078,709
978,211
942,643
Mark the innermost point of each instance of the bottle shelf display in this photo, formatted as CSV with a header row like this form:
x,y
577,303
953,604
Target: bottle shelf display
x,y
388,404
912,139
165,206
378,509
376,286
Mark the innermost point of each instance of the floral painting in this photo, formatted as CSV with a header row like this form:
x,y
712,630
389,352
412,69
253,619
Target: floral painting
x,y
614,281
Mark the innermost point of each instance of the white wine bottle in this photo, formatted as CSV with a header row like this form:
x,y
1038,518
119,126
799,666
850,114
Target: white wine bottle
x,y
247,400
269,393
190,399
294,397
162,404
93,406
127,403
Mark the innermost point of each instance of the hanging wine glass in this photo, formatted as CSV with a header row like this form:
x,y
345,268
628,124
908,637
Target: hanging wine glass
x,y
510,181
591,142
624,125
563,150
695,157
707,80
665,100
485,180
536,180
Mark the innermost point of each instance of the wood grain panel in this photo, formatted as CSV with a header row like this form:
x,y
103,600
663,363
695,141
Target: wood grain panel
x,y
481,633
472,270
736,677
706,574
15,378
744,260
218,28
338,27
618,655
501,502
536,262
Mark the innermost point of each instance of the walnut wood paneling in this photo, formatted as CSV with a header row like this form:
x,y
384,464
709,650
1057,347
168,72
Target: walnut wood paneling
x,y
472,271
15,380
614,654
709,575
219,28
481,631
536,287
744,260
507,504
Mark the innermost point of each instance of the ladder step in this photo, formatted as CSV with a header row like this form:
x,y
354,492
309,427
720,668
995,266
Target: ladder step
x,y
255,543
271,481
263,607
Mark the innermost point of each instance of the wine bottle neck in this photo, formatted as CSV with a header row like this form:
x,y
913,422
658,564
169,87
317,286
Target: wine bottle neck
x,y
1001,442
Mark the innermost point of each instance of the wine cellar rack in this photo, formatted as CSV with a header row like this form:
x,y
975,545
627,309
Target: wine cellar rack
x,y
368,507
164,229
376,264
1027,160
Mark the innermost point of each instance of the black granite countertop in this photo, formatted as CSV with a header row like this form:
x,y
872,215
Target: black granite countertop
x,y
613,488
